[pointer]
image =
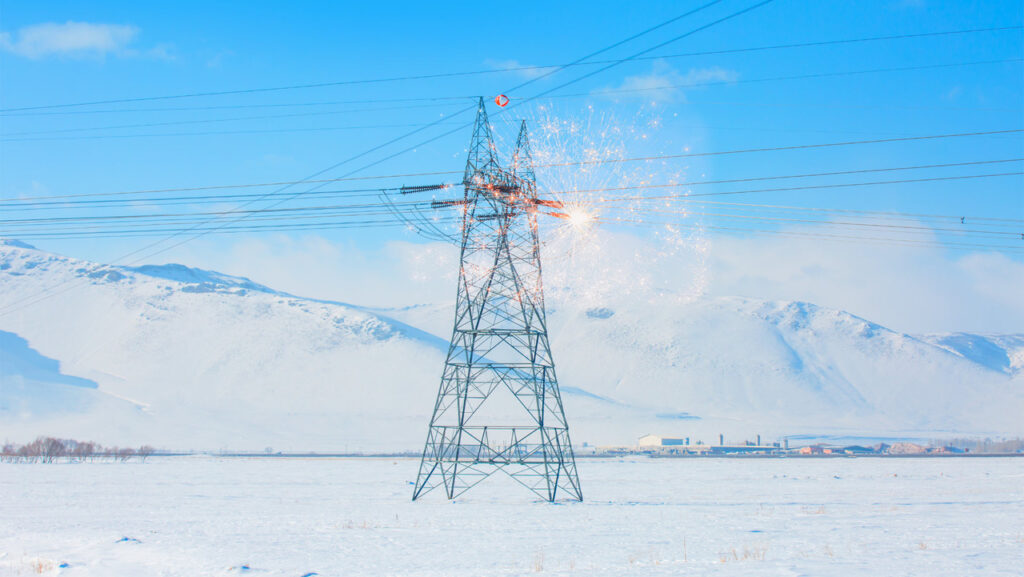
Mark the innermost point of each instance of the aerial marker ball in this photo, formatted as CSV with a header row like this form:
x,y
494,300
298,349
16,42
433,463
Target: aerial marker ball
x,y
501,100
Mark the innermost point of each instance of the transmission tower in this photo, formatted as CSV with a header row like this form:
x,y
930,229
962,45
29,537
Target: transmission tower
x,y
498,407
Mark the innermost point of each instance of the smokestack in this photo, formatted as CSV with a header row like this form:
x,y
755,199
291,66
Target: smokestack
x,y
759,440
721,439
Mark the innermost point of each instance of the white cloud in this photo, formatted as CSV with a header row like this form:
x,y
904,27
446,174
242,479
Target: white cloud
x,y
75,39
665,83
396,274
163,51
218,59
527,71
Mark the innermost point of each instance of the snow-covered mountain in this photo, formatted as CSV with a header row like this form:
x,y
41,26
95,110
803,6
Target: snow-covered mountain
x,y
185,358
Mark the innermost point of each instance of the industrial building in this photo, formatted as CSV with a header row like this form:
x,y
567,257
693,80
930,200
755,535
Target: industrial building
x,y
657,444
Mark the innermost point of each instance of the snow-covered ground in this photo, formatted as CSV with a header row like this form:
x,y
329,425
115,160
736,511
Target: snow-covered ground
x,y
196,516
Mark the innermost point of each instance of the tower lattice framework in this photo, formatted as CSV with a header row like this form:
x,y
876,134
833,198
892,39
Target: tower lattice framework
x,y
498,407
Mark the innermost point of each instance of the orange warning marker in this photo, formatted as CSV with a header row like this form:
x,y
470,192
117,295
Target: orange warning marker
x,y
501,100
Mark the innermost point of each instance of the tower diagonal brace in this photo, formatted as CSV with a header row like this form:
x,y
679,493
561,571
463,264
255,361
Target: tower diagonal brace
x,y
498,407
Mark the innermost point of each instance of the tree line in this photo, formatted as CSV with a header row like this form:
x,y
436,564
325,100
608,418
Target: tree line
x,y
52,450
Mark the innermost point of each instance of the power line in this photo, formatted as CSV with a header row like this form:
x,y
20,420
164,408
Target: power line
x,y
645,51
746,128
237,107
248,227
411,133
825,236
208,213
288,216
393,222
376,208
246,185
29,136
47,293
344,82
350,193
156,224
795,77
8,111
175,200
547,165
578,61
873,213
202,121
963,218
796,147
811,187
429,140
788,176
917,229
210,133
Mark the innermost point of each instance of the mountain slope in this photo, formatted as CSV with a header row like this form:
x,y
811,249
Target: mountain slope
x,y
185,358
214,360
744,366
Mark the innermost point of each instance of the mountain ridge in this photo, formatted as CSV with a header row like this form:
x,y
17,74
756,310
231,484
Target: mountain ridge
x,y
215,360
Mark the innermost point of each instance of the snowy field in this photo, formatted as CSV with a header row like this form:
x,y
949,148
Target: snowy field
x,y
194,516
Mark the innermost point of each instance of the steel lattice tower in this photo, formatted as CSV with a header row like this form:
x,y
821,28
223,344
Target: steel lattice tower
x,y
498,407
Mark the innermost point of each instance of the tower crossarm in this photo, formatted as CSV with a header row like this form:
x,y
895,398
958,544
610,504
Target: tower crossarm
x,y
499,407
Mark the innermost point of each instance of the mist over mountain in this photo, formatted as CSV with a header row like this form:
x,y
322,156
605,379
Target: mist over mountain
x,y
185,358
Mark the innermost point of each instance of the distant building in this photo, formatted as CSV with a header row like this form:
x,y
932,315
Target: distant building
x,y
663,446
857,450
653,441
815,450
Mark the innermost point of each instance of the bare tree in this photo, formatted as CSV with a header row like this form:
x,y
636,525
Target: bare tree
x,y
52,449
145,451
33,451
83,451
125,454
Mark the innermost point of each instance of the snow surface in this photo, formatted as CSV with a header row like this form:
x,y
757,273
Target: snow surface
x,y
184,358
732,517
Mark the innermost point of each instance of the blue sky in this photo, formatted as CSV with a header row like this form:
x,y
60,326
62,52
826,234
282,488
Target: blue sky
x,y
69,52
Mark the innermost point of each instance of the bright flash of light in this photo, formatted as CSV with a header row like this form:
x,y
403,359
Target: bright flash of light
x,y
580,217
604,244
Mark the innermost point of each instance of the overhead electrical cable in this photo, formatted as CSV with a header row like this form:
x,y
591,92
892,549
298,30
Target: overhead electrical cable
x,y
903,227
814,75
375,223
630,204
810,187
65,204
556,68
206,121
873,213
840,238
541,165
47,293
10,111
439,136
30,136
792,147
